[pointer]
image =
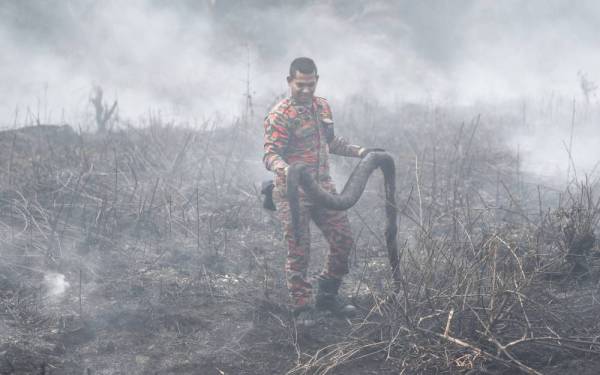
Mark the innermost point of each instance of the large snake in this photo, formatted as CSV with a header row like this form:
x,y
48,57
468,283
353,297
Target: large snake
x,y
298,175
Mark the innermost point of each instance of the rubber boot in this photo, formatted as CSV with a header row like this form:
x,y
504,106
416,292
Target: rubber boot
x,y
328,300
305,315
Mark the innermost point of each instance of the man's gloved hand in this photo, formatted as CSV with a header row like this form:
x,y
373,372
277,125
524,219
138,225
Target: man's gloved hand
x,y
364,151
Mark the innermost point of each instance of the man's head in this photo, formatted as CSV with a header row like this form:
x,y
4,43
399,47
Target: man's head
x,y
303,79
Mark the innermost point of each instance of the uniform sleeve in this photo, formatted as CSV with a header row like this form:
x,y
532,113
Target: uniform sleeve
x,y
276,141
338,145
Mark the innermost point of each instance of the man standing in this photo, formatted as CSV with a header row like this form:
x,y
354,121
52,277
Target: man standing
x,y
300,129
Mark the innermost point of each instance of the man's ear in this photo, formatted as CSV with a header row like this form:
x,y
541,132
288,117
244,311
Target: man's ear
x,y
317,77
289,79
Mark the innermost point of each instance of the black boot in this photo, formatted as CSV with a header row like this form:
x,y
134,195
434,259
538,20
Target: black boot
x,y
305,316
328,299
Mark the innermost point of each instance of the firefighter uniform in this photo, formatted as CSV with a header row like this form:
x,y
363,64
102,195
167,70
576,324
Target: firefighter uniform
x,y
297,132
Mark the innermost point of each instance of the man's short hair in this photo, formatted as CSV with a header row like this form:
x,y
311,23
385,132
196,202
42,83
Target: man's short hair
x,y
303,65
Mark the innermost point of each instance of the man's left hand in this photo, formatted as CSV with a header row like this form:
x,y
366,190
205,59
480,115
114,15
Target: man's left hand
x,y
364,151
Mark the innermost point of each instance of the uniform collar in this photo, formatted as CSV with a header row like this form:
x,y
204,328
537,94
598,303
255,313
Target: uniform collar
x,y
296,104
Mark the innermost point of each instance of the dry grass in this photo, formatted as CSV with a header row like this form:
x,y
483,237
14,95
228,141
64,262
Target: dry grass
x,y
169,217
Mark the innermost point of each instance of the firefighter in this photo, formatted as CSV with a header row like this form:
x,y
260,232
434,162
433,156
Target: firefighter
x,y
300,129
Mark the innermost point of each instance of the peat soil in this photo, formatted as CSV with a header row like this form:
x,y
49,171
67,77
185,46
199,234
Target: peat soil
x,y
139,288
157,311
149,309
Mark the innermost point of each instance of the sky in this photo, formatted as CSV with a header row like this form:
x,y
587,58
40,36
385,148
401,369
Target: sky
x,y
194,60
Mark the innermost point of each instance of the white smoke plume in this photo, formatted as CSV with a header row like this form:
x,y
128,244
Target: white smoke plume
x,y
55,285
190,60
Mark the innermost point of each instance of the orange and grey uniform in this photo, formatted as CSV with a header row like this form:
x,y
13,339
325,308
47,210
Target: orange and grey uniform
x,y
296,133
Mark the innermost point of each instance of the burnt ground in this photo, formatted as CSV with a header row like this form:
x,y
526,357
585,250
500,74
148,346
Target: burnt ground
x,y
146,251
161,311
149,317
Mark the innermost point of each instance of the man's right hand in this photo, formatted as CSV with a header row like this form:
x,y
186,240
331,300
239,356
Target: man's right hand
x,y
282,172
281,177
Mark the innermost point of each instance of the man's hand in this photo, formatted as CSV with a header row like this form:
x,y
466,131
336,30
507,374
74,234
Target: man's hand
x,y
364,151
282,172
281,177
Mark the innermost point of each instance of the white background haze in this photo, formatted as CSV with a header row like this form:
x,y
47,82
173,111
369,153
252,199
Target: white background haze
x,y
189,59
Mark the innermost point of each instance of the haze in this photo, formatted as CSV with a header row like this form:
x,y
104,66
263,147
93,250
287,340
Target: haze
x,y
191,60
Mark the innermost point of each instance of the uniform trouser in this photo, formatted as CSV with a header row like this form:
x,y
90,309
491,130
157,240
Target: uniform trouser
x,y
335,227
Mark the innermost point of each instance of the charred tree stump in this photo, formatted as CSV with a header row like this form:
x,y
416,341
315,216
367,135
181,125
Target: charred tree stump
x,y
103,112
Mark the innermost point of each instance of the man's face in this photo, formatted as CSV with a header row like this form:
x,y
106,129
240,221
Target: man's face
x,y
303,86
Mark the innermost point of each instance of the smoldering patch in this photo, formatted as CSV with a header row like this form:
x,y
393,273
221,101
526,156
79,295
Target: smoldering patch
x,y
55,285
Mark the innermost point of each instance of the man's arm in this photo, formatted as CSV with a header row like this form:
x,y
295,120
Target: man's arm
x,y
337,145
340,146
276,141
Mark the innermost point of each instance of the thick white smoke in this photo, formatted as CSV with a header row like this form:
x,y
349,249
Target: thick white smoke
x,y
55,285
190,59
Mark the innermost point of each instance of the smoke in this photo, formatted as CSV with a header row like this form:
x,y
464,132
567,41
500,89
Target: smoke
x,y
192,59
562,151
55,285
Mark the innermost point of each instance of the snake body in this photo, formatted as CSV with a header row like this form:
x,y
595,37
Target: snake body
x,y
298,175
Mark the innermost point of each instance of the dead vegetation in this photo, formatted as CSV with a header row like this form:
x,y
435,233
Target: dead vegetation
x,y
171,266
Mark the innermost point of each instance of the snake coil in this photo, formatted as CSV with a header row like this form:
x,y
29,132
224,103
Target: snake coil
x,y
298,175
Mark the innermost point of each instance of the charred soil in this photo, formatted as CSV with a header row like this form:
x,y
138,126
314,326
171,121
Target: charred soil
x,y
146,251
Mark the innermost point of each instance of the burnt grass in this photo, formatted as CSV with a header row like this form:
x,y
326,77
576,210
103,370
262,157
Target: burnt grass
x,y
171,266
